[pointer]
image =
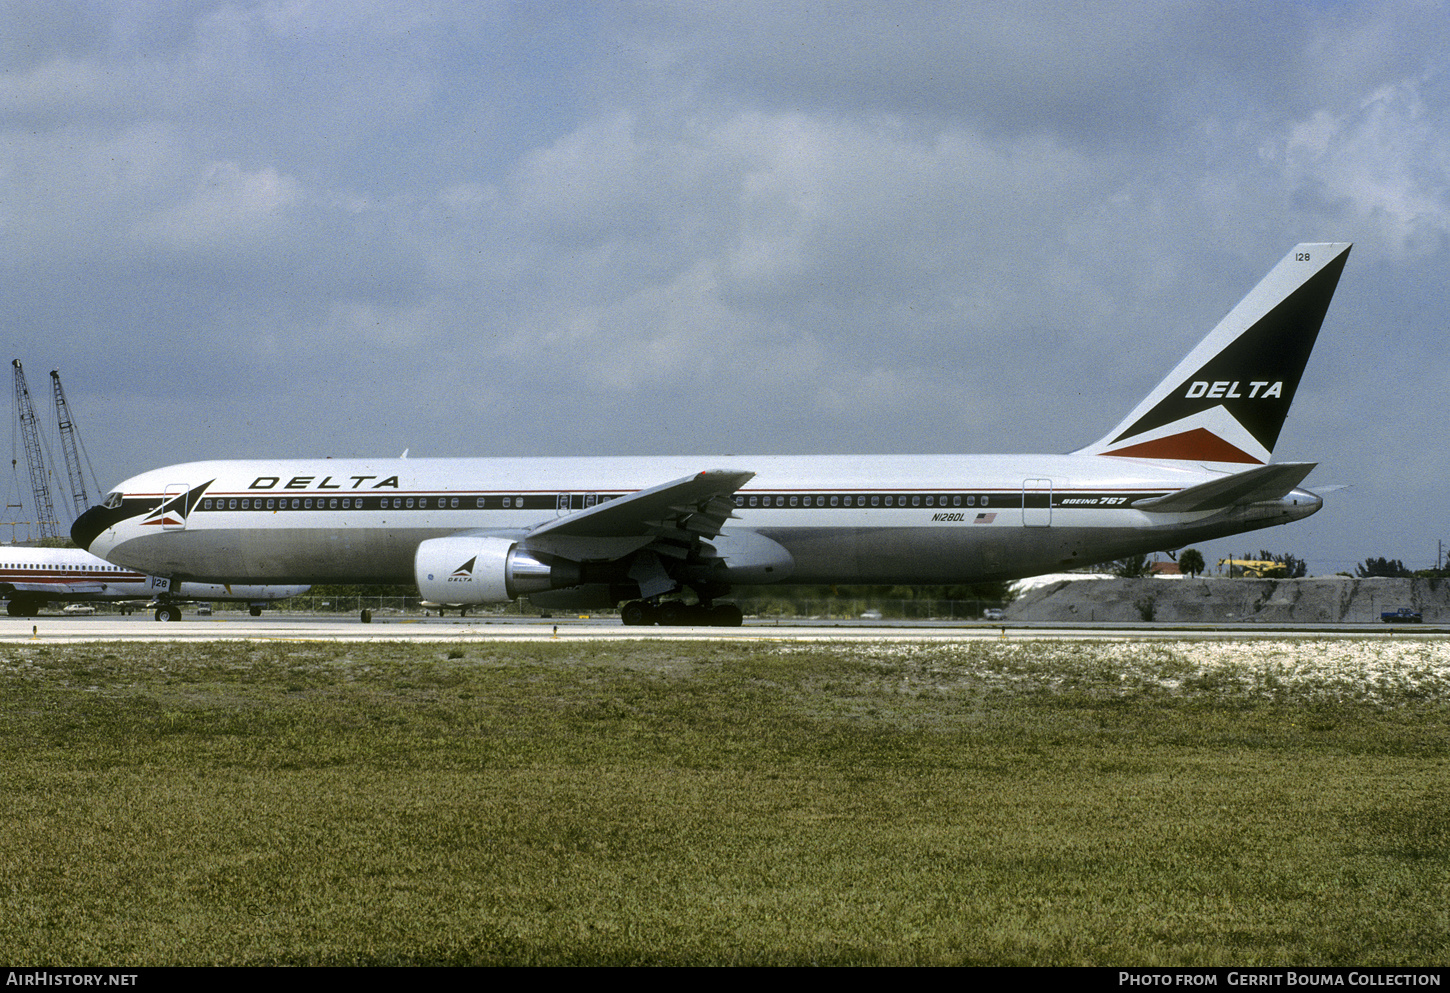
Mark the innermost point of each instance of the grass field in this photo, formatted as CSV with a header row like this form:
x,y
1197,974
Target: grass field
x,y
995,803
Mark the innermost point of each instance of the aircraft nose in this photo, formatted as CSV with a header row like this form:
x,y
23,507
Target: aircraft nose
x,y
89,526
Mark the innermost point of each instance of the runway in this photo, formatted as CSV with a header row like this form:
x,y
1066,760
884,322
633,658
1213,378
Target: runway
x,y
68,629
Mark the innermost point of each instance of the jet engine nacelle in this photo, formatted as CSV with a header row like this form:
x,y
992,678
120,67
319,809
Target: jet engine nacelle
x,y
470,569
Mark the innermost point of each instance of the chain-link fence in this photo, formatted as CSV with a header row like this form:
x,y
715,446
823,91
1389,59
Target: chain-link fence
x,y
842,608
837,608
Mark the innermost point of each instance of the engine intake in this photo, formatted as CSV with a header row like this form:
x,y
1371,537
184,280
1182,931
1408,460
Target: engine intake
x,y
470,569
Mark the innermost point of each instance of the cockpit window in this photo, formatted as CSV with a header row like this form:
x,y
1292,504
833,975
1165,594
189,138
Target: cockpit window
x,y
112,501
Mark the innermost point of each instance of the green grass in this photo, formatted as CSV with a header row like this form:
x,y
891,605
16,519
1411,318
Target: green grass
x,y
718,803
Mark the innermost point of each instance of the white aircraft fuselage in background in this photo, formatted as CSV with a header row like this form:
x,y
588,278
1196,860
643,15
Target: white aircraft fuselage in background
x,y
1190,463
31,578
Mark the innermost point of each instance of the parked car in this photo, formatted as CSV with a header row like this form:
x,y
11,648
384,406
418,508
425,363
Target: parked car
x,y
78,608
1405,615
992,614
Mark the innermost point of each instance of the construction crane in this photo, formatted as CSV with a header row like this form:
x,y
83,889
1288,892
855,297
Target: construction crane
x,y
70,444
44,510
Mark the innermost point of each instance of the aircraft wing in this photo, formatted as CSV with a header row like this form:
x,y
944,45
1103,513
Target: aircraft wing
x,y
672,517
59,590
1266,482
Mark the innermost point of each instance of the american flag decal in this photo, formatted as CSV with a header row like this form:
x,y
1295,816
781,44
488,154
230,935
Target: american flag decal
x,y
984,518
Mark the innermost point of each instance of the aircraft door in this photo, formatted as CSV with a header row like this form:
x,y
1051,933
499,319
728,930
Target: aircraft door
x,y
575,501
174,507
1036,503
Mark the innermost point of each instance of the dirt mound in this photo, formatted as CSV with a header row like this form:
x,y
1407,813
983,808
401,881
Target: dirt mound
x,y
1331,599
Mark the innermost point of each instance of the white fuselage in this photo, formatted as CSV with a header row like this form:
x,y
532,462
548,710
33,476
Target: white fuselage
x,y
924,519
71,574
46,575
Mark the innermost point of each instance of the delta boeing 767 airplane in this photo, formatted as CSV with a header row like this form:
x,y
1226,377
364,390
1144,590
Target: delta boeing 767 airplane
x,y
1191,462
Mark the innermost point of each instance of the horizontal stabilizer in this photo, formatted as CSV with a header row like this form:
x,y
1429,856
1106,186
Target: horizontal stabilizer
x,y
1267,482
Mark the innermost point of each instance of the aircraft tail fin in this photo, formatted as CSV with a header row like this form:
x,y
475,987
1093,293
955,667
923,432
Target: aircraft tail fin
x,y
1226,402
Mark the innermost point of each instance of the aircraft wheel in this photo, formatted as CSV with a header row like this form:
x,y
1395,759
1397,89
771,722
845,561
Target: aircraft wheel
x,y
15,608
256,611
634,613
367,616
726,615
673,612
167,612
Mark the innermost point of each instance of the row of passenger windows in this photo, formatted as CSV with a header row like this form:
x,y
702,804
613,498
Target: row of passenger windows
x,y
858,500
376,503
550,502
32,567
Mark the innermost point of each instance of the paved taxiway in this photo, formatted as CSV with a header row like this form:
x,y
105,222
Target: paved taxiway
x,y
56,629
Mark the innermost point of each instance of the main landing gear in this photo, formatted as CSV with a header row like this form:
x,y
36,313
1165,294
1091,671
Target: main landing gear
x,y
674,613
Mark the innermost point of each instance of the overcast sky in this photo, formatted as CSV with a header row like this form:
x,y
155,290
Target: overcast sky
x,y
350,228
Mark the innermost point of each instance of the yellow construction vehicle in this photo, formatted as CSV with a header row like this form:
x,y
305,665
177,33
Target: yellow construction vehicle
x,y
1254,568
